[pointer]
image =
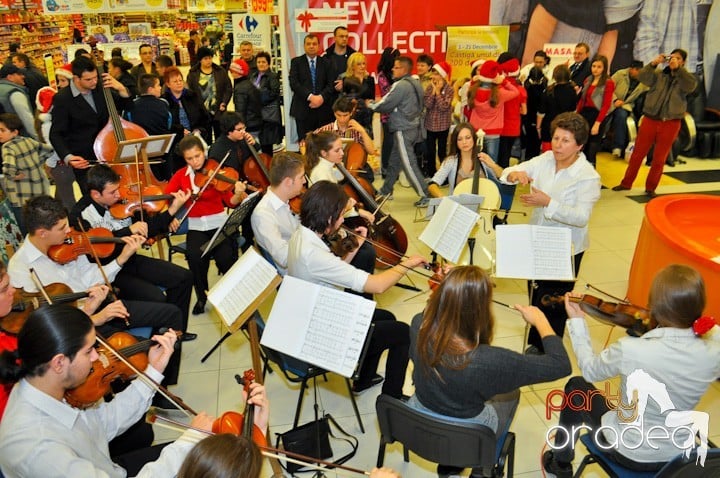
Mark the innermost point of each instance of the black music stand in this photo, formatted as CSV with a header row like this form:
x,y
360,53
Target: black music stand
x,y
232,223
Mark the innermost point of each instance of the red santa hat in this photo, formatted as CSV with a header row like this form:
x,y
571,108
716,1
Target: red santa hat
x,y
44,100
444,69
511,67
240,67
65,71
477,64
489,71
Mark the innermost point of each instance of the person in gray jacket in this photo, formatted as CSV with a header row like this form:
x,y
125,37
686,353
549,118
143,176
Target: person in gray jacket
x,y
628,90
404,103
665,105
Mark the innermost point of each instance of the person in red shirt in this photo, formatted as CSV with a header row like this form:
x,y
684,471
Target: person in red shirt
x,y
514,110
207,214
595,102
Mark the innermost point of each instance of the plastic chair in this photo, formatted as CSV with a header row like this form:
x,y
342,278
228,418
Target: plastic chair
x,y
443,441
297,371
180,247
678,467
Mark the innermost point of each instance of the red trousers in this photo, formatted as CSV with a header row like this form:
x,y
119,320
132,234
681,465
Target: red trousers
x,y
661,134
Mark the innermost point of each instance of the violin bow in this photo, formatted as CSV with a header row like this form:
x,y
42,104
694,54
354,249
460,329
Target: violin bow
x,y
154,418
40,286
111,292
202,189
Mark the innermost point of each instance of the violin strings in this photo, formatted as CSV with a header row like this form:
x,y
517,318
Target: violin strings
x,y
375,243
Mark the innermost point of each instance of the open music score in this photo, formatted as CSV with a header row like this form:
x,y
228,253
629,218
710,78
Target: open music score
x,y
243,288
526,251
449,229
319,325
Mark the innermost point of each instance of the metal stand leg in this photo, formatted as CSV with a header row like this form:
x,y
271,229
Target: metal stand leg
x,y
214,347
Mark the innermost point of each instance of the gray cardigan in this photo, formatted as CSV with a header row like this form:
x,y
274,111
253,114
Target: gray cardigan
x,y
490,370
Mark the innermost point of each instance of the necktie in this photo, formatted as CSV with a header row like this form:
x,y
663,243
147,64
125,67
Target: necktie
x,y
313,72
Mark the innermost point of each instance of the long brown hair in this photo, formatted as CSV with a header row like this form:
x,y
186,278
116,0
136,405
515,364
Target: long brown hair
x,y
315,143
494,94
457,319
605,74
222,456
677,296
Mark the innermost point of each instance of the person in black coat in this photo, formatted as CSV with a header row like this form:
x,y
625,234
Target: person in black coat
x,y
34,78
268,83
312,100
212,83
189,115
152,113
580,68
246,97
76,123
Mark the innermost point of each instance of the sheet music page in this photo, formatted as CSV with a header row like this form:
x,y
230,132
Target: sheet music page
x,y
526,251
328,325
241,285
448,230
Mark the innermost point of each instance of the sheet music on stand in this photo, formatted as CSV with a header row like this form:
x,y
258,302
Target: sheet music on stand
x,y
232,222
526,251
243,288
470,201
329,326
449,229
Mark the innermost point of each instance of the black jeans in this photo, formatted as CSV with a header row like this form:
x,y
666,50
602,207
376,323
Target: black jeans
x,y
142,277
555,313
387,146
225,254
393,336
435,145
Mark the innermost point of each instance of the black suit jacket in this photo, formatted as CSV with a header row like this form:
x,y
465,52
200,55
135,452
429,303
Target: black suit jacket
x,y
75,125
301,86
582,72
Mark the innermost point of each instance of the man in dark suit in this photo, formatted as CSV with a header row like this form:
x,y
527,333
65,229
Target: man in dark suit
x,y
79,113
580,69
311,82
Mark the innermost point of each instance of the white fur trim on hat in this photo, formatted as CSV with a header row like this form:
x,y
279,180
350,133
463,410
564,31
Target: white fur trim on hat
x,y
44,99
444,69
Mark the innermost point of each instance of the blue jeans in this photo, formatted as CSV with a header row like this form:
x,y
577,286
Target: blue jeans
x,y
619,120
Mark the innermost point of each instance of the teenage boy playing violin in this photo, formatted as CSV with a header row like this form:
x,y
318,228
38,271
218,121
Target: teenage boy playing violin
x,y
41,435
141,276
207,214
47,223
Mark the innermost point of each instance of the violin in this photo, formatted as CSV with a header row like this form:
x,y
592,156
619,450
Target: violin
x,y
109,367
25,302
637,320
242,423
76,244
341,244
223,180
151,201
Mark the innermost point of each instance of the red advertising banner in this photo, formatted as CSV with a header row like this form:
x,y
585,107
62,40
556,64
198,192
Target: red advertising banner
x,y
410,26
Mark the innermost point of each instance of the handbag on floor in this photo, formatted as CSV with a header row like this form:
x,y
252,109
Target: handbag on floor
x,y
313,440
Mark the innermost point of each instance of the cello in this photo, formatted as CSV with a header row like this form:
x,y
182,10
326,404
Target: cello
x,y
257,168
483,233
386,231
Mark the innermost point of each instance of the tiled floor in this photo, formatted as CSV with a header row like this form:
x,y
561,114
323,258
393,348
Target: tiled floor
x,y
614,227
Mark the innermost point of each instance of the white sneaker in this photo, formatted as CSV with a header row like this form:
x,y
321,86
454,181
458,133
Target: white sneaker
x,y
617,152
